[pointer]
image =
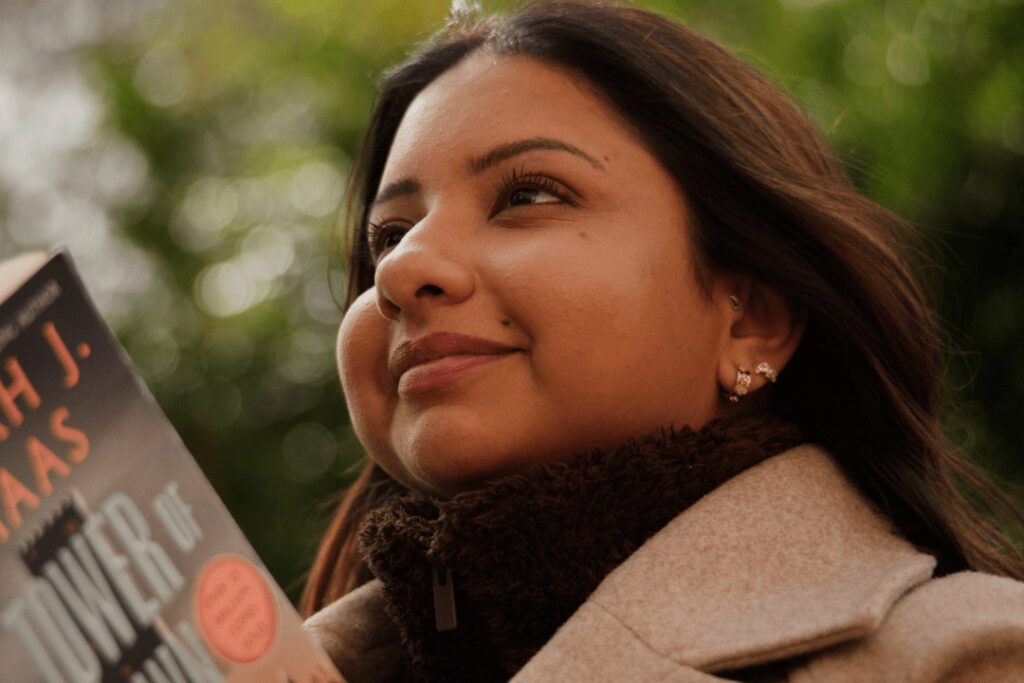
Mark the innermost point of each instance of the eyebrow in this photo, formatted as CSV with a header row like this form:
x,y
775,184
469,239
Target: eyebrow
x,y
511,149
481,163
396,189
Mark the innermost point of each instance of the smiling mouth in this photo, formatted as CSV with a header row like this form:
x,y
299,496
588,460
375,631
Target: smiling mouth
x,y
439,359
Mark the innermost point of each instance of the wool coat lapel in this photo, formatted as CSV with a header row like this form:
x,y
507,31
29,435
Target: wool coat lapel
x,y
784,559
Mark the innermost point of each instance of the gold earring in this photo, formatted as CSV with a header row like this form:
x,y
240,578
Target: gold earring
x,y
766,370
742,384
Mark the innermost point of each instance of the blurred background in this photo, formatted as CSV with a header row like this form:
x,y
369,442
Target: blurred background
x,y
192,155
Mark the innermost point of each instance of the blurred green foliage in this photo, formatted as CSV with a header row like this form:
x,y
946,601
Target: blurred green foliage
x,y
237,121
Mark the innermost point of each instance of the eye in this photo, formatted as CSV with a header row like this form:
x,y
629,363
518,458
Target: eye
x,y
519,188
383,237
531,195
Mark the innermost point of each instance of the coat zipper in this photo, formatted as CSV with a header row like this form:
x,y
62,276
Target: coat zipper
x,y
444,598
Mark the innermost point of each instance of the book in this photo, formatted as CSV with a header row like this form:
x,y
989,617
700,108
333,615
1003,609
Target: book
x,y
118,561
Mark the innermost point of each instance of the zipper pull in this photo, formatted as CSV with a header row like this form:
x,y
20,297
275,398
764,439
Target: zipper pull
x,y
444,598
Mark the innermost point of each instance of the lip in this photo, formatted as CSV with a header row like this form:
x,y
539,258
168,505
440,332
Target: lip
x,y
439,359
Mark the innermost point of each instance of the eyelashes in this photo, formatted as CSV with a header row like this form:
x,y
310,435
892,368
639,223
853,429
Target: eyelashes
x,y
516,187
381,237
517,184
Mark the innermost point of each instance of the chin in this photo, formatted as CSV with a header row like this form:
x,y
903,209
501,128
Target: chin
x,y
444,462
447,470
453,473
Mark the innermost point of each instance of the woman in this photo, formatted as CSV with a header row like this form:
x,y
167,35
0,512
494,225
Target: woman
x,y
649,390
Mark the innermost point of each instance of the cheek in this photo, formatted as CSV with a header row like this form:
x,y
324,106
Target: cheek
x,y
603,289
627,329
362,365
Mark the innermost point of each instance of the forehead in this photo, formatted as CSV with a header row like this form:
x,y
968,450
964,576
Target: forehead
x,y
487,100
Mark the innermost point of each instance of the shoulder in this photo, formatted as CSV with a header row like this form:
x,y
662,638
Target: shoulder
x,y
358,636
962,627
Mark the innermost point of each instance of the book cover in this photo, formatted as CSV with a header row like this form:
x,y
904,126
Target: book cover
x,y
118,562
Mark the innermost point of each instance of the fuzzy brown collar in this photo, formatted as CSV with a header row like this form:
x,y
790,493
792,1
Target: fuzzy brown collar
x,y
526,550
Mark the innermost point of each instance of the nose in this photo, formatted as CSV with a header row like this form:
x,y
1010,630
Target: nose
x,y
425,269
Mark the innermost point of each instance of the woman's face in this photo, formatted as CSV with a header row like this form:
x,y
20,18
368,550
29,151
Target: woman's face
x,y
535,291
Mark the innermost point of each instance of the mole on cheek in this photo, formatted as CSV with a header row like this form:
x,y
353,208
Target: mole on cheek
x,y
583,235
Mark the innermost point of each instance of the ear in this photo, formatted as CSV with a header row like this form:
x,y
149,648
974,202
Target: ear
x,y
764,328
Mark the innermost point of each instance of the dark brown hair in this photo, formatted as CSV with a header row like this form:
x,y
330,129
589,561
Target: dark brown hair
x,y
769,198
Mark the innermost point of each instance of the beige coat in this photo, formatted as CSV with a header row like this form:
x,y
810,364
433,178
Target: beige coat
x,y
784,566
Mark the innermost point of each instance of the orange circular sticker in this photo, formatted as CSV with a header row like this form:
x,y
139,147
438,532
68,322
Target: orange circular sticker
x,y
236,609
